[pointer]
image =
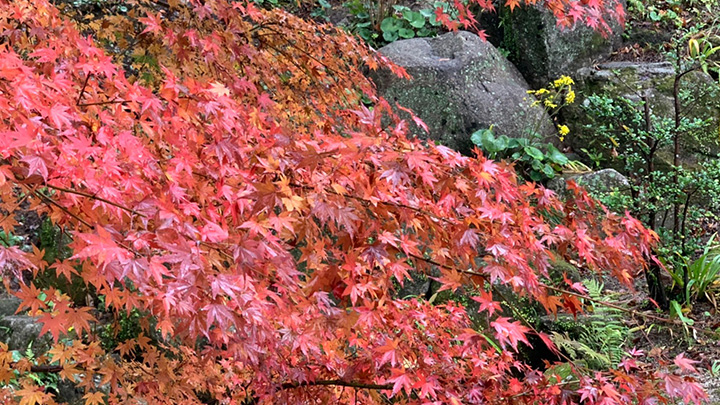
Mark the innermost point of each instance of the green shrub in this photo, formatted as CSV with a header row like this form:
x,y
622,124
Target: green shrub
x,y
55,244
123,327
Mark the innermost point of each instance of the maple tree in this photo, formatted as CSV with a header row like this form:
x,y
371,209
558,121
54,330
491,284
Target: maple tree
x,y
597,14
260,217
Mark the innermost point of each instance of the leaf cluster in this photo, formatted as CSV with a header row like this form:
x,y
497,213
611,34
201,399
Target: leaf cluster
x,y
402,23
535,162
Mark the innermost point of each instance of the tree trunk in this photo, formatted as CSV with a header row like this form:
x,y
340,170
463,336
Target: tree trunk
x,y
656,289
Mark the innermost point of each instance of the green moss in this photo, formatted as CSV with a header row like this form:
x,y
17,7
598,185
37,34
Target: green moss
x,y
664,85
55,244
432,103
560,268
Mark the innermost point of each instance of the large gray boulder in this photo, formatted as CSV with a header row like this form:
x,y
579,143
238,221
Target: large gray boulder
x,y
461,84
542,51
8,305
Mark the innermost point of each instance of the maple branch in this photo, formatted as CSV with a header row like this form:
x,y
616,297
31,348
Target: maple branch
x,y
40,369
103,103
327,68
560,384
632,311
46,369
49,200
368,202
82,91
563,291
495,290
613,306
11,213
218,248
94,197
297,65
338,383
444,266
520,316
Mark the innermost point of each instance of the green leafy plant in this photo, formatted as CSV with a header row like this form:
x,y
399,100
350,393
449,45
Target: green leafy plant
x,y
534,161
674,200
672,14
596,158
664,13
406,23
702,273
379,23
124,327
606,331
9,239
320,11
49,381
715,368
677,311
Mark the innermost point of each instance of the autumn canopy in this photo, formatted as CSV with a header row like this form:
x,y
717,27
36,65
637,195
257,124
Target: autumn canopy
x,y
260,207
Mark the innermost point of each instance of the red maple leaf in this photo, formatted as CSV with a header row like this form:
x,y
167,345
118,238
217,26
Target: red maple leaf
x,y
487,303
685,364
510,332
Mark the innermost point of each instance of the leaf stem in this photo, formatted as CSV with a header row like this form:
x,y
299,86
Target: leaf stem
x,y
94,197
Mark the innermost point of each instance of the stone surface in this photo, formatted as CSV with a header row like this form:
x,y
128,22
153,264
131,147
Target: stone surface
x,y
602,181
8,305
461,84
419,286
635,79
20,331
542,51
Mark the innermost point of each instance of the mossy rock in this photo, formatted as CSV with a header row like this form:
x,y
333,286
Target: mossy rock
x,y
560,268
542,51
460,84
601,183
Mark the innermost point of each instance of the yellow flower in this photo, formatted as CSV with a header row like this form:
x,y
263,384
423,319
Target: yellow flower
x,y
541,92
570,97
563,130
563,81
549,103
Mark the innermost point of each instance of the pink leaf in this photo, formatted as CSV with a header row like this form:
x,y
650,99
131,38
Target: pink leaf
x,y
213,232
685,364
